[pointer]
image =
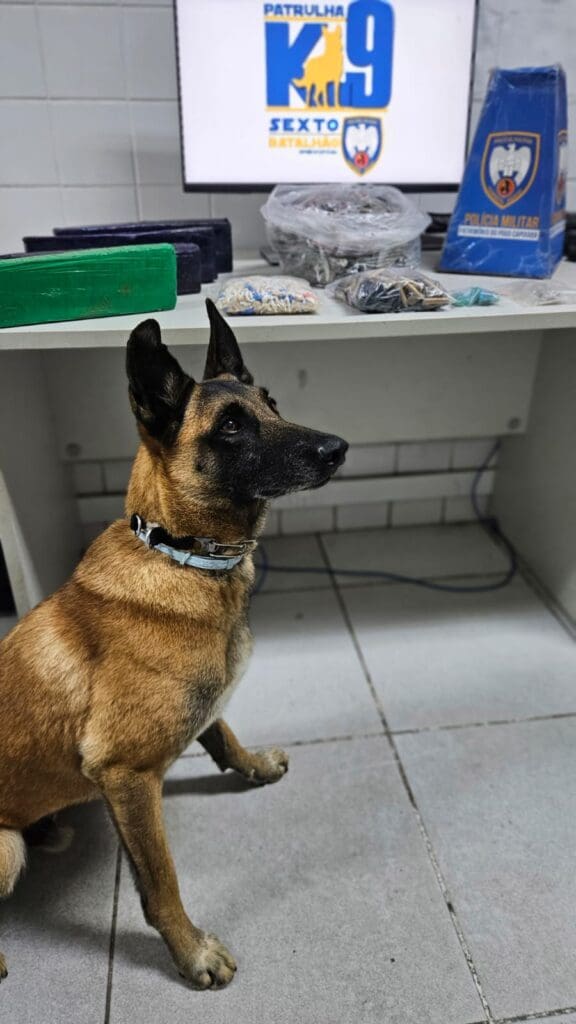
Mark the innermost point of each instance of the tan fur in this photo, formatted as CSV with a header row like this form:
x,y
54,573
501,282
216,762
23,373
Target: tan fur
x,y
12,859
106,682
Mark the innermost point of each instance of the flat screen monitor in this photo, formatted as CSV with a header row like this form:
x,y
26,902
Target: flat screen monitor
x,y
365,90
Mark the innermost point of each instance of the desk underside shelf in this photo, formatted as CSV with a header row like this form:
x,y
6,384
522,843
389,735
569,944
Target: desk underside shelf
x,y
504,371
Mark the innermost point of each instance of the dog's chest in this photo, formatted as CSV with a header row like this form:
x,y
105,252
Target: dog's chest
x,y
209,693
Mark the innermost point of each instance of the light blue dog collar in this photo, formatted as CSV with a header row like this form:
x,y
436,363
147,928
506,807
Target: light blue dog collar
x,y
206,556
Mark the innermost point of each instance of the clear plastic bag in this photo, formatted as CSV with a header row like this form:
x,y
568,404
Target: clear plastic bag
x,y
322,232
262,296
391,291
539,293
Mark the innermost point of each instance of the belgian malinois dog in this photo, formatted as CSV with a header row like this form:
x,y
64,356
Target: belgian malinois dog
x,y
104,684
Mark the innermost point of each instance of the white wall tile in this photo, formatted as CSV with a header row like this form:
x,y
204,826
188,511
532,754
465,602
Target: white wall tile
x,y
150,53
491,16
428,455
27,150
475,112
83,52
93,143
90,531
306,520
272,525
116,475
416,513
98,205
20,54
27,211
538,32
369,460
158,201
362,517
102,508
471,454
459,510
247,221
88,477
157,142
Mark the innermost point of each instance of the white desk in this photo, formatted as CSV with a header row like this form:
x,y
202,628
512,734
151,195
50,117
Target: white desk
x,y
187,323
453,373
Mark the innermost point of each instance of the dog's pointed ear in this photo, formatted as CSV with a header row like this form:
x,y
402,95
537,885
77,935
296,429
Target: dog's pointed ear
x,y
224,355
158,387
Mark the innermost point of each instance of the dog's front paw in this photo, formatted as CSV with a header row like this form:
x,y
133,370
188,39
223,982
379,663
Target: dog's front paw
x,y
3,968
211,965
268,766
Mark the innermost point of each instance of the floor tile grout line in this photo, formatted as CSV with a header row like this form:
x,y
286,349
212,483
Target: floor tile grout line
x,y
404,778
345,738
112,946
539,1015
489,724
423,730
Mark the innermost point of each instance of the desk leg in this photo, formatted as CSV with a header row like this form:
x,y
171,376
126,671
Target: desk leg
x,y
535,495
39,527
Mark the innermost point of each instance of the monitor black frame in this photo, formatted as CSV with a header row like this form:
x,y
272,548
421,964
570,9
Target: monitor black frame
x,y
241,187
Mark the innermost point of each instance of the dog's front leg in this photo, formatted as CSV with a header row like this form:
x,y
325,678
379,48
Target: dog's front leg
x,y
261,766
135,802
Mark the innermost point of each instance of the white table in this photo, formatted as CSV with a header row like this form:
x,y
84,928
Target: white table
x,y
414,376
187,323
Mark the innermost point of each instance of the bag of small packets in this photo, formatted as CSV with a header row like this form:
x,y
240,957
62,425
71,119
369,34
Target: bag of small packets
x,y
386,290
257,295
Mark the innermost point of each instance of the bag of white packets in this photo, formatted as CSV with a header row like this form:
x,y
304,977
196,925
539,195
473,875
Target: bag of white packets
x,y
264,296
386,290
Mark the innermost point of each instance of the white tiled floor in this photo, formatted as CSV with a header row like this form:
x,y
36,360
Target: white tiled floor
x,y
423,875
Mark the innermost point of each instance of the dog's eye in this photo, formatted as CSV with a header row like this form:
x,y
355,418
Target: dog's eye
x,y
230,426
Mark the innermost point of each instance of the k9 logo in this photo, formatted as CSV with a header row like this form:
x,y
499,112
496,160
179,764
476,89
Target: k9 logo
x,y
336,61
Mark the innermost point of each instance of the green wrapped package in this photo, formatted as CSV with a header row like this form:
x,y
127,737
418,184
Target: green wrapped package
x,y
87,283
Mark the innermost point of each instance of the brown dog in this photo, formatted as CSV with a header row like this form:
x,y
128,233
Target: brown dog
x,y
106,682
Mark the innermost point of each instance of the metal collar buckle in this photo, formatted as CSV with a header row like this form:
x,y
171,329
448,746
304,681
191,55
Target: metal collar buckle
x,y
203,552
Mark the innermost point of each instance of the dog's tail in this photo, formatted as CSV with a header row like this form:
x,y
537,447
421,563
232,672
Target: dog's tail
x,y
12,861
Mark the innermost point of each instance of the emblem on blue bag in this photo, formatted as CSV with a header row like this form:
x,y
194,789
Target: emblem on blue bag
x,y
361,142
509,164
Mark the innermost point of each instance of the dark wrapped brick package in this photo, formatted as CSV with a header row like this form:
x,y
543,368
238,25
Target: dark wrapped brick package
x,y
219,225
202,237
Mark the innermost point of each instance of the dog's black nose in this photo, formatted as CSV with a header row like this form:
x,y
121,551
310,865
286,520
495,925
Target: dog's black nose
x,y
332,451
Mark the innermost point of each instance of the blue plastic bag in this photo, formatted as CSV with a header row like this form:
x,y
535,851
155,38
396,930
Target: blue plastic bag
x,y
510,212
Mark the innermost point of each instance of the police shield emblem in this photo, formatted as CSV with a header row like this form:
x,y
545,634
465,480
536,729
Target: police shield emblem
x,y
361,142
509,164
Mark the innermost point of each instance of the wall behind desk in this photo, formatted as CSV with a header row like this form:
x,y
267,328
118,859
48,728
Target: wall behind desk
x,y
89,130
89,122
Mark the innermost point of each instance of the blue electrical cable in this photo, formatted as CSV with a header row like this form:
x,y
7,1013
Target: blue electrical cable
x,y
489,523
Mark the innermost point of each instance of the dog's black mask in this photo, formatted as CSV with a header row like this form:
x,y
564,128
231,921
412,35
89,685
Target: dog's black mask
x,y
238,439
